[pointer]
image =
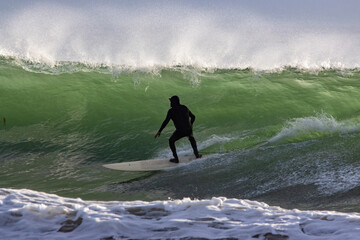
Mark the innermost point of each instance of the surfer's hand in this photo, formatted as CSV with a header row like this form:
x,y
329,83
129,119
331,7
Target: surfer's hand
x,y
157,134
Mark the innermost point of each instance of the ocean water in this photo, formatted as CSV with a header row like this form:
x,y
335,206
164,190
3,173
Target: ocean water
x,y
277,107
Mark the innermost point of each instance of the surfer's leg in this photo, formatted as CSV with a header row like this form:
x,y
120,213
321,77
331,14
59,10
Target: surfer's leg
x,y
174,137
194,146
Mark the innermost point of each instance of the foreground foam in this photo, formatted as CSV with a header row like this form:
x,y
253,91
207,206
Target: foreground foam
x,y
25,213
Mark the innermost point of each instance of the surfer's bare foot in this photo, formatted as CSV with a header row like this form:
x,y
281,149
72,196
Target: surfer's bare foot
x,y
174,160
198,156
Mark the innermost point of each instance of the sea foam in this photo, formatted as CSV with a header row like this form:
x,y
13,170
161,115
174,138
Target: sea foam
x,y
27,214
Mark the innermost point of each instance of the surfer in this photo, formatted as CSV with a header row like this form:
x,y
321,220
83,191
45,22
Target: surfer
x,y
183,120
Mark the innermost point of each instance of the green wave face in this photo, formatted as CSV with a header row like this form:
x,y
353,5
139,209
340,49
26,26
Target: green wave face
x,y
63,122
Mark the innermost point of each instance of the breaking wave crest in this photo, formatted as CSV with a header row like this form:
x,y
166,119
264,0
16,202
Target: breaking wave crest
x,y
148,36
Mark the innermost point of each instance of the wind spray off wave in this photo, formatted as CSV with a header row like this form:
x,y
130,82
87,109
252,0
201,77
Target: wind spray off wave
x,y
145,35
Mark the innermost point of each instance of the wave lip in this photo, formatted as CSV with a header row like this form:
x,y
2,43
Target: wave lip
x,y
25,212
190,72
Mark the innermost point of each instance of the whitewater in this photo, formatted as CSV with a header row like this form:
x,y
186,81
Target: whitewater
x,y
275,87
32,215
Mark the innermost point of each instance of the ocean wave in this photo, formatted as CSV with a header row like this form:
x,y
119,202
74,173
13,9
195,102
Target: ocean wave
x,y
74,123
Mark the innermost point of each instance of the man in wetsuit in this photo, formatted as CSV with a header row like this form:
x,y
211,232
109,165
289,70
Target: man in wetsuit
x,y
183,120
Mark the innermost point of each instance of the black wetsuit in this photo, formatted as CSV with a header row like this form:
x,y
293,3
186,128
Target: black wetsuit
x,y
183,120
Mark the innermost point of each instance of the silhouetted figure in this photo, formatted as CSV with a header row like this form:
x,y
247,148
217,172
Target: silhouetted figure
x,y
183,120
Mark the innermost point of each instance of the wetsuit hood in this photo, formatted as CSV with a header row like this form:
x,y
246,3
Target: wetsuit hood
x,y
175,101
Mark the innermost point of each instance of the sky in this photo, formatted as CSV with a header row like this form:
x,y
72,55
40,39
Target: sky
x,y
345,11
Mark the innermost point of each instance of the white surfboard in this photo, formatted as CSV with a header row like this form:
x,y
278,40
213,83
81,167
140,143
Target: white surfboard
x,y
150,164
